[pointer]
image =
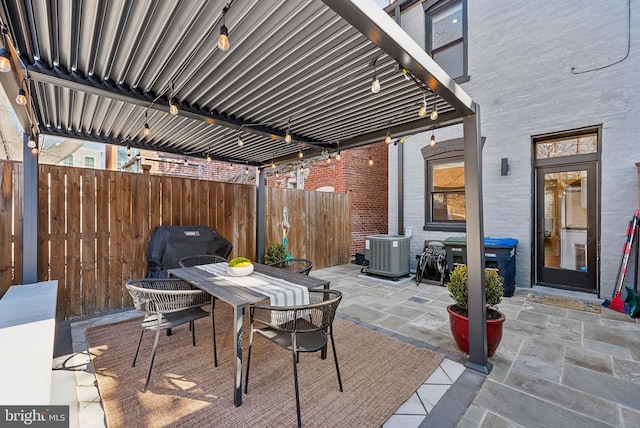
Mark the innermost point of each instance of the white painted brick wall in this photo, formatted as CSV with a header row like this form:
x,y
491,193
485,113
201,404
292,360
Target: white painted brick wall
x,y
520,59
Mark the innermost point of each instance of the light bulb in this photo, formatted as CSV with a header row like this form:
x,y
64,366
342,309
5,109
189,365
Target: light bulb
x,y
223,38
423,110
287,137
147,130
208,158
277,173
230,165
240,142
31,143
329,159
173,108
433,140
273,165
387,139
246,170
34,150
375,85
434,114
300,155
301,168
5,62
21,98
186,162
370,161
338,155
128,151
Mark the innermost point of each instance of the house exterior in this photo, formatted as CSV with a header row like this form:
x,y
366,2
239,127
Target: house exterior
x,y
558,94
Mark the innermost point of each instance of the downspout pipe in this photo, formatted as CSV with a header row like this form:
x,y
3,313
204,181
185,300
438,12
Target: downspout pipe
x,y
400,202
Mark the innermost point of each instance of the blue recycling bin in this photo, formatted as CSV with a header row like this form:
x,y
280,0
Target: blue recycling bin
x,y
499,253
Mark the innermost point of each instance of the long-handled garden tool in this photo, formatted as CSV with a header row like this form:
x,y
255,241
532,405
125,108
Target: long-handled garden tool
x,y
616,302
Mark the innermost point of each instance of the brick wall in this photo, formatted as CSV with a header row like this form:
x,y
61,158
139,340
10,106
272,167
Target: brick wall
x,y
369,192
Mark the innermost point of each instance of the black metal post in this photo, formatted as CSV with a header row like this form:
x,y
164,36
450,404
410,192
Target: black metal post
x,y
29,214
478,353
260,196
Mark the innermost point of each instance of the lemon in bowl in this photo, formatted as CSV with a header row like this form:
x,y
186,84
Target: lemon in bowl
x,y
240,266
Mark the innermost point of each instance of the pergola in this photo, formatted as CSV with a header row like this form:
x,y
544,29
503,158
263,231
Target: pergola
x,y
296,78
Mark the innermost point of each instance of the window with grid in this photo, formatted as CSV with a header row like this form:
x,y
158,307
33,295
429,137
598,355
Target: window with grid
x,y
446,34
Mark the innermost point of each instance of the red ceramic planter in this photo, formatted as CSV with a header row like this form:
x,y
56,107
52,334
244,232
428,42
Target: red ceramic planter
x,y
460,330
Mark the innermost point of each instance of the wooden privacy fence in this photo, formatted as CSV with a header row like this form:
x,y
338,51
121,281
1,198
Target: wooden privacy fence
x,y
94,227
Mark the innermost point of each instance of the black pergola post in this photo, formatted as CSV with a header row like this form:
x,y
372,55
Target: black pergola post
x,y
29,213
475,243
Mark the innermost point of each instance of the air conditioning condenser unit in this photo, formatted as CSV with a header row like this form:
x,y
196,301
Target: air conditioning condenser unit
x,y
388,255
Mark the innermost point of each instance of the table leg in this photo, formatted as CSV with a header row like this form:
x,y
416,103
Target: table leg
x,y
237,369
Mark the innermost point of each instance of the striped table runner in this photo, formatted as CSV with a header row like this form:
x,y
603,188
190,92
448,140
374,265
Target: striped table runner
x,y
279,291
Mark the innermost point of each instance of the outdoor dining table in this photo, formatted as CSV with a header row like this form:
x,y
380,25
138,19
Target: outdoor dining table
x,y
239,297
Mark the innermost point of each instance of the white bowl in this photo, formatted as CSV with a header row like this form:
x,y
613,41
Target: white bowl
x,y
239,271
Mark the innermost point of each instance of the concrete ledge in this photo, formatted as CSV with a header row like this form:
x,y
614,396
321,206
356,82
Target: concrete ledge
x,y
27,330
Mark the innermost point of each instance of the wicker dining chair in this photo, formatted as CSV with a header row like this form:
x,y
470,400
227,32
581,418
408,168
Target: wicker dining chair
x,y
296,265
303,328
167,303
200,259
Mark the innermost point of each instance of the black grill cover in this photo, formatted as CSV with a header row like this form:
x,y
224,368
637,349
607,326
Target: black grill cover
x,y
169,244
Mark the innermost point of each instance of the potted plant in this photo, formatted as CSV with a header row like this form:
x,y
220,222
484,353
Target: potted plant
x,y
275,253
458,312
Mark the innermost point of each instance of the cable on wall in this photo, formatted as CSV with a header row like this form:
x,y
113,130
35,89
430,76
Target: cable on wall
x,y
573,69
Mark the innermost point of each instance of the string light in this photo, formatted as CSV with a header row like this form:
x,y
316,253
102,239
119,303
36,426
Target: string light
x,y
287,136
329,159
273,165
301,168
186,162
230,165
173,108
432,142
147,130
375,83
338,156
387,138
434,112
240,142
246,170
370,160
21,98
208,157
423,108
32,142
300,154
223,38
5,55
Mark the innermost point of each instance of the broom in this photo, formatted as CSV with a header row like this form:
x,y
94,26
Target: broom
x,y
616,303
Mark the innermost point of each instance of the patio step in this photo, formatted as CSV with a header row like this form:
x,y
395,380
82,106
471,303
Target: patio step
x,y
27,329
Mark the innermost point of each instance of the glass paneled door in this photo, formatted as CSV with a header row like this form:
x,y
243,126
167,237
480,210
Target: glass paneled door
x,y
566,223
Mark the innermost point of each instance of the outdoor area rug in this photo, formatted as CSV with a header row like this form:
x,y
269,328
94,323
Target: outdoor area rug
x,y
378,373
577,305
